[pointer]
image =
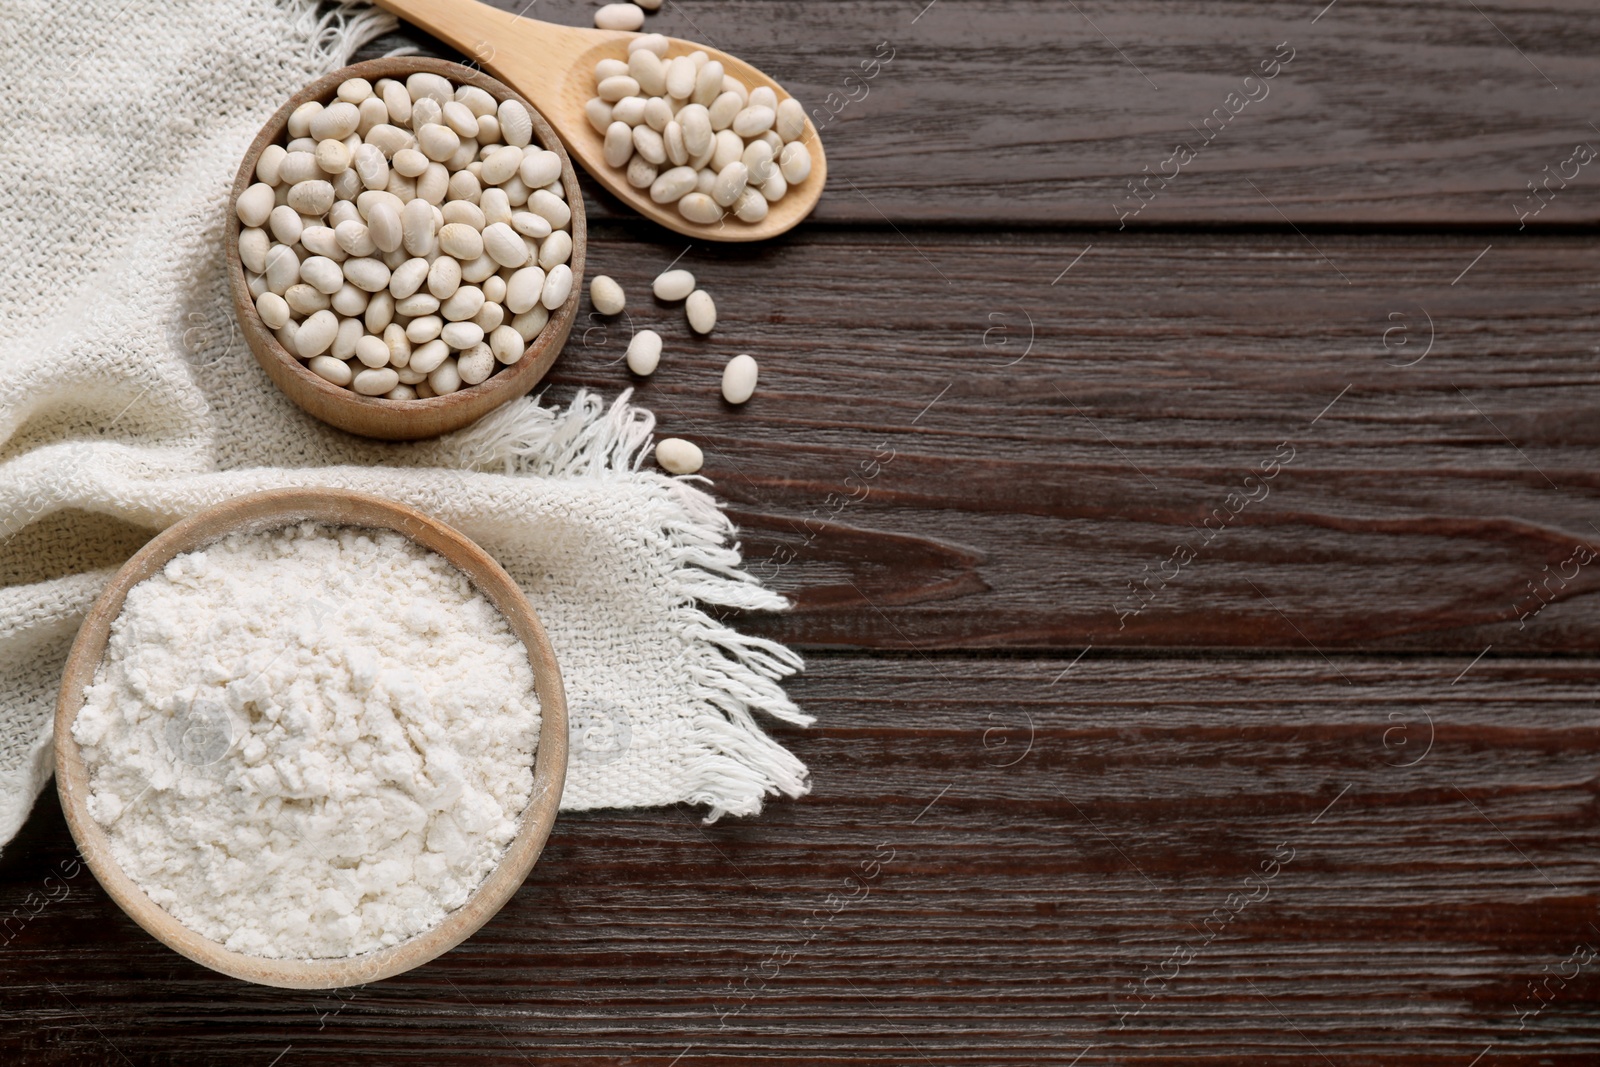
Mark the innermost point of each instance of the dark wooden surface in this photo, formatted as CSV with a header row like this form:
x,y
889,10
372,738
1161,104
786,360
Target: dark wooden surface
x,y
1322,791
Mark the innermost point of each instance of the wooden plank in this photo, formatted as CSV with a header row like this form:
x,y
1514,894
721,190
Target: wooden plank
x,y
1009,849
986,440
1004,111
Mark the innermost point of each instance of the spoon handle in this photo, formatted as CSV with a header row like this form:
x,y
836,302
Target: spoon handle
x,y
532,55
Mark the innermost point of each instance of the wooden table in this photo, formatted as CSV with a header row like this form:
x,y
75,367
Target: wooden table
x,y
1195,552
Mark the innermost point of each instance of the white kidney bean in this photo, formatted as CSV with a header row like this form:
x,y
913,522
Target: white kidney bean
x,y
757,159
506,344
726,147
791,120
268,162
461,334
642,173
751,206
707,83
721,111
653,42
349,301
697,131
673,285
344,342
461,305
672,185
417,305
672,146
739,379
366,274
557,286
323,273
731,182
681,73
530,322
795,163
424,328
354,238
445,379
476,363
273,309
619,17
304,299
501,164
255,204
523,289
336,371
253,245
444,277
677,456
539,168
644,353
550,207
649,145
753,121
530,225
461,241
555,250
606,295
316,333
699,207
375,381
426,357
775,186
657,112
283,268
646,68
379,312
504,245
618,145
701,311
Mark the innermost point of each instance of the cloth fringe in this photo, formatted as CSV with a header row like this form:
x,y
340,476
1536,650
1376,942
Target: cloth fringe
x,y
735,674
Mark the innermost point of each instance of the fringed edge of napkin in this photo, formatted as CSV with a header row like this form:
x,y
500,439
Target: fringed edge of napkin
x,y
736,675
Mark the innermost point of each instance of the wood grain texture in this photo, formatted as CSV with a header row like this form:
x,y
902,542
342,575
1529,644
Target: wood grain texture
x,y
1008,111
1021,847
916,474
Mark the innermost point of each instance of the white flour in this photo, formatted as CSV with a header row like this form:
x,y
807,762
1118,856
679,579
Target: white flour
x,y
309,742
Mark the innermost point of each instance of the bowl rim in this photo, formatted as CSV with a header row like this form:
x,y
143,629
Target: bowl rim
x,y
272,509
451,410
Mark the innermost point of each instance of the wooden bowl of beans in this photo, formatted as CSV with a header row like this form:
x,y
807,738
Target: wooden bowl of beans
x,y
405,247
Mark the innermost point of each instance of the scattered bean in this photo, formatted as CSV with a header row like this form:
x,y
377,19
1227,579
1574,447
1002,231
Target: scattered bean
x,y
702,311
644,353
739,379
678,456
673,285
606,295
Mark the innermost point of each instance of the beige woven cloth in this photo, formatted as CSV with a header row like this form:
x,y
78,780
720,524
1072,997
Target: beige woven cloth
x,y
128,401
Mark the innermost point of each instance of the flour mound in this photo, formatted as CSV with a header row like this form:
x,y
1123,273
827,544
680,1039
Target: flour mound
x,y
309,742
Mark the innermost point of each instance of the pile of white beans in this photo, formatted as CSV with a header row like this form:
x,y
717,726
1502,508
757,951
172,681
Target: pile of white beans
x,y
696,136
409,238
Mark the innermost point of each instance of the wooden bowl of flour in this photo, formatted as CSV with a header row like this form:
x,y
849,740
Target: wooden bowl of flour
x,y
333,507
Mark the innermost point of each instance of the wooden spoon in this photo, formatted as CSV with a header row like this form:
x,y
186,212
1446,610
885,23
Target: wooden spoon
x,y
553,67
